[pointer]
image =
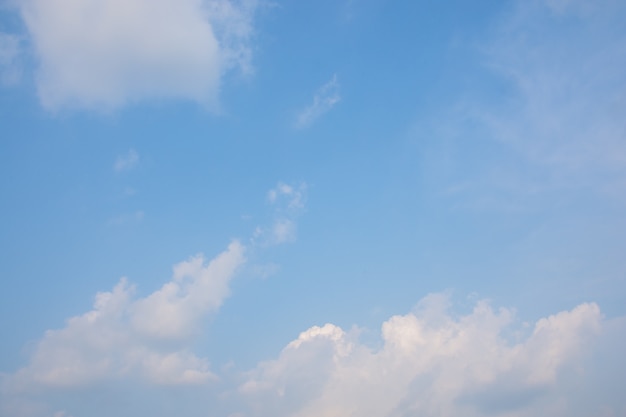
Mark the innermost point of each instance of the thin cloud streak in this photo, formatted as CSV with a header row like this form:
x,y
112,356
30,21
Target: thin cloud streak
x,y
323,101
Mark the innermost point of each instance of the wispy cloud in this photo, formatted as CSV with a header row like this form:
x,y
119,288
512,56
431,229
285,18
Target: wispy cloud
x,y
559,122
99,54
10,51
323,101
134,217
127,161
429,362
568,108
288,202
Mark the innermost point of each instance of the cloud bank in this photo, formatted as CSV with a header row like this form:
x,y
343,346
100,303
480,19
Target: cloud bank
x,y
431,363
105,53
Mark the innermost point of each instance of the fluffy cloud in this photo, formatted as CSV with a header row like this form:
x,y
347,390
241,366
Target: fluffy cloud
x,y
323,101
105,53
175,311
142,343
430,363
127,337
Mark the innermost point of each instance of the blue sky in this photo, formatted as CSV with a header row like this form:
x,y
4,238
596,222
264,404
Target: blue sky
x,y
378,208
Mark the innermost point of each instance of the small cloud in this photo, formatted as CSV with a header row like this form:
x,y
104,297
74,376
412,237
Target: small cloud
x,y
293,195
283,230
323,101
287,201
127,161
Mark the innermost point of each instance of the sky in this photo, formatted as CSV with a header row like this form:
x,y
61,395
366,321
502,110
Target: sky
x,y
372,208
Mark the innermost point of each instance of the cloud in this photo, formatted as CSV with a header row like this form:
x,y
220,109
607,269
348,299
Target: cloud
x,y
104,54
288,202
135,338
127,218
10,51
567,109
127,161
323,101
545,115
139,347
431,363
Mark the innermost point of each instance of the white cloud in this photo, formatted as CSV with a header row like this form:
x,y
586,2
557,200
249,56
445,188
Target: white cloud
x,y
10,51
175,311
431,363
127,161
127,337
291,196
105,53
323,101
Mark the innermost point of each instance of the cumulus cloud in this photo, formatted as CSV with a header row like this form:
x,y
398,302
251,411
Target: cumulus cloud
x,y
143,344
431,363
127,161
10,51
136,338
105,53
323,101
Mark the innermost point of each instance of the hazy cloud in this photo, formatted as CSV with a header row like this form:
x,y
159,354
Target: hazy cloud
x,y
568,107
10,51
127,161
126,218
